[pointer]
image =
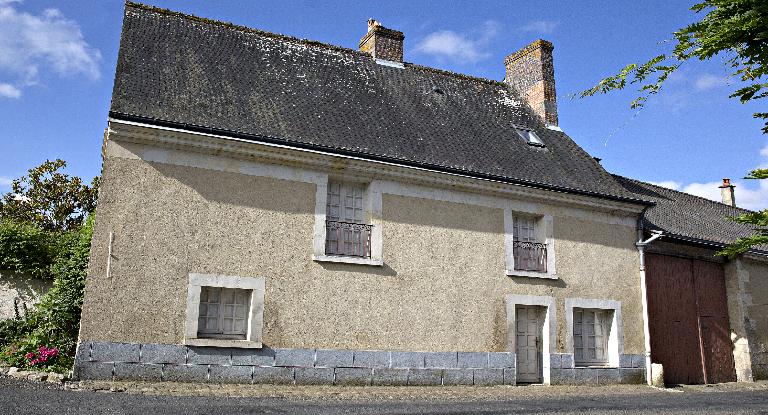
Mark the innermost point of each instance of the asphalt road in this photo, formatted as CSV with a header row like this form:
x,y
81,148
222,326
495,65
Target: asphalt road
x,y
23,397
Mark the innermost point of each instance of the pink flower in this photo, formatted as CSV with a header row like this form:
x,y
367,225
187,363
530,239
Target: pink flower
x,y
29,355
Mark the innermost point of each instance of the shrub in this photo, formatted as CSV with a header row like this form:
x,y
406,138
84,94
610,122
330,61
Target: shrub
x,y
54,322
27,248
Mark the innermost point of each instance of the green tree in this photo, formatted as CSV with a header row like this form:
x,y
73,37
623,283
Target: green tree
x,y
49,198
734,29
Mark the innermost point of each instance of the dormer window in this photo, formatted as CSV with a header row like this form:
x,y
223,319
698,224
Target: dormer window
x,y
530,137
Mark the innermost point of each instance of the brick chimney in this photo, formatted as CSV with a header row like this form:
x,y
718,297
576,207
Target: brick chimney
x,y
531,72
382,43
726,190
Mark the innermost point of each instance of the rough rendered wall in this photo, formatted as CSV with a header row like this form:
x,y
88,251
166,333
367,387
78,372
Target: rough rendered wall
x,y
442,286
756,302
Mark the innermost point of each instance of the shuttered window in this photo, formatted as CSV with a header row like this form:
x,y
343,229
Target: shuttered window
x,y
223,312
591,330
524,229
347,234
345,202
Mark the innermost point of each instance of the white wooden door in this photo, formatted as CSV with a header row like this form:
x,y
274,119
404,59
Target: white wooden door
x,y
528,322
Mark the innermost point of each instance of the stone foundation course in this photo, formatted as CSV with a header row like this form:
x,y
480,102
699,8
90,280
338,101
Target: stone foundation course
x,y
178,363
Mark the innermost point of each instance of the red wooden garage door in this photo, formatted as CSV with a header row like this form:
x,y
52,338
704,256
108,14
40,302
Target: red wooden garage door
x,y
688,318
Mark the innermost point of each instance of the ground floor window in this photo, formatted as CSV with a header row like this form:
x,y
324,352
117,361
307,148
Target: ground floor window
x,y
223,312
591,331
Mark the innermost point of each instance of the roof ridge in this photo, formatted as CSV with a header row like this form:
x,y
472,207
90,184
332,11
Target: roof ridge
x,y
684,193
457,74
307,42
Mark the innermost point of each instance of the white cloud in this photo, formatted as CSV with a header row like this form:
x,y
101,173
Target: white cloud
x,y
447,44
5,181
750,194
669,184
32,44
9,91
708,81
540,26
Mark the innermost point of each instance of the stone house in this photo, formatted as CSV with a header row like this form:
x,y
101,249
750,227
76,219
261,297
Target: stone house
x,y
281,210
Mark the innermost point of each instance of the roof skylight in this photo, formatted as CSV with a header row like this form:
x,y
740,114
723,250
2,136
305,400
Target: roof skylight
x,y
530,137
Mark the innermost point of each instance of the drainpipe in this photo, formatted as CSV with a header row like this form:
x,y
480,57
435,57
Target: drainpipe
x,y
644,291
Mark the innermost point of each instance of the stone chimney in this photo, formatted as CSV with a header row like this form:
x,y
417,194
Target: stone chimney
x,y
382,43
531,72
726,190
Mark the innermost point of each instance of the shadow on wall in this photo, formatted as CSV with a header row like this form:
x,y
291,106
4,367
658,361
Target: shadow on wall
x,y
382,271
542,282
241,189
26,289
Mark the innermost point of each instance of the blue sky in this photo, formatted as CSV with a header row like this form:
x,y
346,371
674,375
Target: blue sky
x,y
57,62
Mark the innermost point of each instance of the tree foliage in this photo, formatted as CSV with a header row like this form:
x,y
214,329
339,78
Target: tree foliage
x,y
49,198
736,29
27,248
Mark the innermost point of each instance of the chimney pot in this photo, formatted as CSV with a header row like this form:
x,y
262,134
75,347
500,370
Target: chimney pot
x,y
531,72
727,193
382,43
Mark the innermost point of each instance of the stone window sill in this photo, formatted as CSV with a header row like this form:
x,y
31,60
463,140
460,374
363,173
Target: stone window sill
x,y
243,344
531,274
348,260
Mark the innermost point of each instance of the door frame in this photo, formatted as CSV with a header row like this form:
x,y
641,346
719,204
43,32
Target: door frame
x,y
548,331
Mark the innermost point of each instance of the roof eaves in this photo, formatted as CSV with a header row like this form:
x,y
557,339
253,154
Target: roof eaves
x,y
373,157
707,243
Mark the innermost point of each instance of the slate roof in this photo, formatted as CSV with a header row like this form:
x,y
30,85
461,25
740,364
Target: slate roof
x,y
688,217
193,73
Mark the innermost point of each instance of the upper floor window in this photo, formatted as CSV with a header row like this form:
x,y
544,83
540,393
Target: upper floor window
x,y
347,233
591,331
530,254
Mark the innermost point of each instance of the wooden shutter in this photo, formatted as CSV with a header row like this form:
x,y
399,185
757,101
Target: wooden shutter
x,y
524,229
591,330
223,312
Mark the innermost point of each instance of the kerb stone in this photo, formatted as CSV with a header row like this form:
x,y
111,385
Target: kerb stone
x,y
230,374
441,360
334,358
371,358
115,352
472,360
163,353
185,373
390,377
295,357
354,376
425,377
274,375
314,376
489,377
452,377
